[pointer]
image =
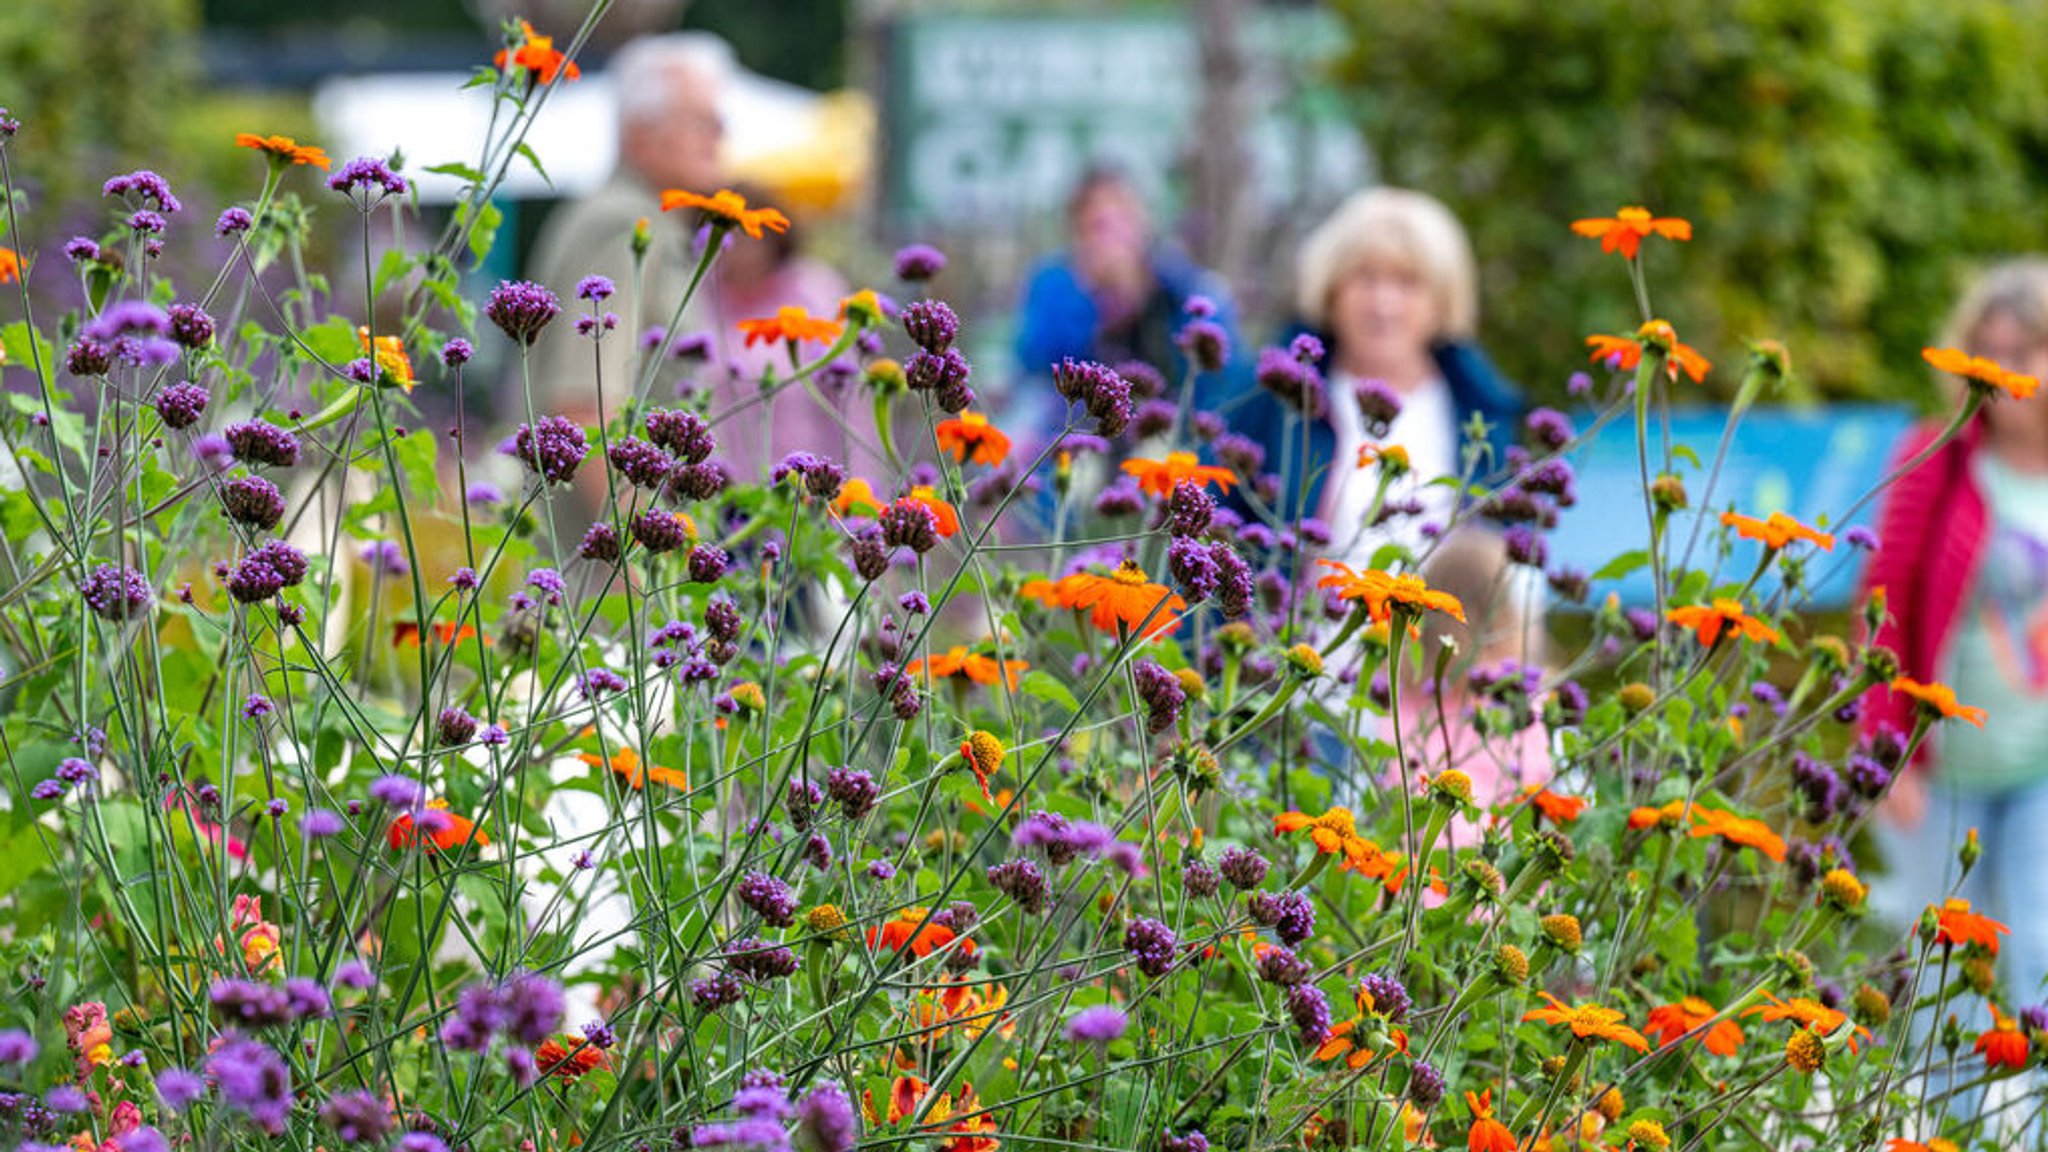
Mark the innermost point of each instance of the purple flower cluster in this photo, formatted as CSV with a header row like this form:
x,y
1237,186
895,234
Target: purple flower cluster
x,y
266,571
1191,1141
366,180
1297,383
931,325
768,896
1101,390
763,1107
1101,1025
1279,965
1061,839
552,447
143,187
760,961
641,463
1023,882
824,1120
357,1117
822,479
255,1004
252,501
258,444
521,309
1161,693
1188,510
918,263
526,1009
1205,343
1291,915
1310,1011
945,373
180,404
706,563
854,790
116,593
910,524
1388,996
190,326
1200,880
252,1080
1243,867
1152,946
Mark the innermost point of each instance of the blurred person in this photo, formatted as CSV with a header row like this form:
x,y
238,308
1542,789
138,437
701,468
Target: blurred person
x,y
1388,286
1117,293
1963,558
669,130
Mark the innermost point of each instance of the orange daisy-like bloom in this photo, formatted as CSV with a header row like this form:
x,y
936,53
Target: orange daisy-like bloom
x,y
1121,601
972,1130
283,150
1980,371
1670,815
568,1058
389,354
1937,1144
972,1008
1558,808
1159,476
1343,1040
626,763
1589,1022
728,208
406,632
793,324
1625,231
538,55
1487,1134
1668,1023
10,266
1381,592
903,932
1955,924
1708,621
2004,1043
1809,1014
1625,352
857,498
447,830
1940,699
1777,530
1335,833
1738,830
958,661
948,516
969,436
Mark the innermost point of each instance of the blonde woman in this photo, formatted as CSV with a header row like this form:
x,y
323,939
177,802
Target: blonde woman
x,y
1387,287
1962,554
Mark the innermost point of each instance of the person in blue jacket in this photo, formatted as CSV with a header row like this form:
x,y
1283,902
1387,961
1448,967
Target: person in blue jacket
x,y
1387,286
1117,293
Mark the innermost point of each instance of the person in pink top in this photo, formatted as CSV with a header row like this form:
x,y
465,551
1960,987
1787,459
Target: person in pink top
x,y
1962,556
830,414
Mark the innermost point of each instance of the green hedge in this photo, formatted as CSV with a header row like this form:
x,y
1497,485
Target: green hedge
x,y
1847,163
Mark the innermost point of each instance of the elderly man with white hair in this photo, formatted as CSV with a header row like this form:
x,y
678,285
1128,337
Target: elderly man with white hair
x,y
669,132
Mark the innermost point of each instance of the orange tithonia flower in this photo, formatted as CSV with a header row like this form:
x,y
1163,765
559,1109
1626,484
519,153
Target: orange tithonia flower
x,y
983,750
971,1130
1939,699
947,515
1335,833
1937,1144
389,354
444,829
283,150
1956,924
1487,1134
728,208
1811,1015
1625,231
538,55
1345,1040
1668,815
904,931
1738,830
1381,592
404,632
972,1008
1556,807
1777,530
969,436
1589,1022
1159,476
793,324
1708,621
626,763
1625,352
1668,1023
857,498
568,1058
1122,601
1980,371
10,266
973,666
2004,1043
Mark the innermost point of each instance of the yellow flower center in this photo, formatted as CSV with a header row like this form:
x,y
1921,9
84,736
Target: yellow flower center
x,y
1129,574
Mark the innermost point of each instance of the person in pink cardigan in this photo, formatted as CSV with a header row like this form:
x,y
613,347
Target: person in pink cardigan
x,y
1962,557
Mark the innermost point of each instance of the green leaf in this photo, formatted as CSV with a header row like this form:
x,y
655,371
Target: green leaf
x,y
416,455
1623,564
396,263
1042,686
334,340
1685,452
458,168
526,150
